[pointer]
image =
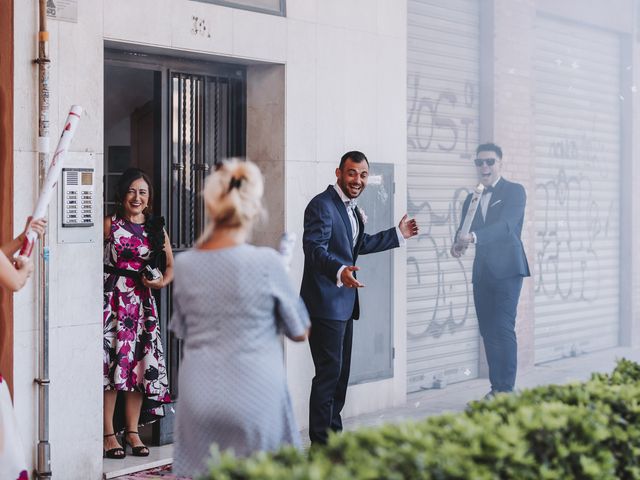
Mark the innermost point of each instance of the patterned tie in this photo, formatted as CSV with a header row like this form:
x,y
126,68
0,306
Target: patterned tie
x,y
484,201
353,219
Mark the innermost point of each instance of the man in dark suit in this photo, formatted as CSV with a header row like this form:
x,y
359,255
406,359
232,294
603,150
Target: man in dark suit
x,y
499,265
333,238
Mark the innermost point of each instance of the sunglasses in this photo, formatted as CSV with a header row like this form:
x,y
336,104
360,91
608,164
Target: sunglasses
x,y
489,161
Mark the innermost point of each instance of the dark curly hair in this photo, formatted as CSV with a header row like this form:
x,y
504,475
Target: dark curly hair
x,y
153,225
124,182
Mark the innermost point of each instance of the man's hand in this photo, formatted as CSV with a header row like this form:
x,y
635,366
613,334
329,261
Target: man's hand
x,y
457,250
408,228
347,278
459,247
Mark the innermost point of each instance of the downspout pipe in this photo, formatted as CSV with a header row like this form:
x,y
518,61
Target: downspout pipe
x,y
43,465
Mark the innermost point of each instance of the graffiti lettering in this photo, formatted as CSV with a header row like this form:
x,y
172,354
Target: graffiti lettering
x,y
450,306
566,257
438,119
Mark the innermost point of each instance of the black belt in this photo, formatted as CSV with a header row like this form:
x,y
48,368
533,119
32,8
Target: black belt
x,y
122,272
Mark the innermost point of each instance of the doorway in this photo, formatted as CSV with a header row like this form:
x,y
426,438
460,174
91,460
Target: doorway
x,y
175,119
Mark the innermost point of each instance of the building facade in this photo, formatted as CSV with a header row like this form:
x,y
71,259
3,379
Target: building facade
x,y
174,86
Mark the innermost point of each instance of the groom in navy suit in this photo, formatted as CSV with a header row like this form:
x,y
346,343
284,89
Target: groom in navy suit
x,y
333,238
499,265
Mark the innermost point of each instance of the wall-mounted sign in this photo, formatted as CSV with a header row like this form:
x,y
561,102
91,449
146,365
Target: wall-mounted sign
x,y
274,7
66,10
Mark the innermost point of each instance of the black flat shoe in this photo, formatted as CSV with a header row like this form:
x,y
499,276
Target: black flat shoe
x,y
140,450
116,453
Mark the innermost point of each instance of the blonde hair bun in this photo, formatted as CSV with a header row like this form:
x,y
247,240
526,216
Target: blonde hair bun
x,y
233,195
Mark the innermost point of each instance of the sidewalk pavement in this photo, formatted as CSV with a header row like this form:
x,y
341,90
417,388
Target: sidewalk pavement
x,y
454,398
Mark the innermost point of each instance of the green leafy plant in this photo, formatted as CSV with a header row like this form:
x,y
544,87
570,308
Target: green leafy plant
x,y
588,430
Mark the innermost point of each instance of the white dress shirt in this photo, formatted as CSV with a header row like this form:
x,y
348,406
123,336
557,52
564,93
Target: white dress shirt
x,y
484,206
355,227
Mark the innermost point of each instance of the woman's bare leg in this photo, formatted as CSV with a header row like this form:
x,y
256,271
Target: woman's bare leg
x,y
107,420
133,405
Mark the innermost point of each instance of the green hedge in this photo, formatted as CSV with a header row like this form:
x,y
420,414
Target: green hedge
x,y
587,430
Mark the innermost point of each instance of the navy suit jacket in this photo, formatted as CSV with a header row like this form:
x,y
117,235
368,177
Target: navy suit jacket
x,y
328,245
499,249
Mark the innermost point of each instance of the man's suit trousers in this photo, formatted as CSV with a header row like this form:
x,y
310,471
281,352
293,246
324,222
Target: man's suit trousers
x,y
330,342
496,302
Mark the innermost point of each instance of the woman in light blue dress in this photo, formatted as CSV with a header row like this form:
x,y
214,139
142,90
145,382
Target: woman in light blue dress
x,y
232,301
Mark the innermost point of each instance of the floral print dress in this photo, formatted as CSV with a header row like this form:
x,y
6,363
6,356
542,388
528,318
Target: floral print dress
x,y
133,355
12,461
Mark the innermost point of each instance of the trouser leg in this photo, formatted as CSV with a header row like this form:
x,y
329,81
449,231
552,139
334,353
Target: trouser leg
x,y
326,342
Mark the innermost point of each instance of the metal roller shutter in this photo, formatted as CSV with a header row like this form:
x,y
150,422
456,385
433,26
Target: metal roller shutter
x,y
577,149
443,77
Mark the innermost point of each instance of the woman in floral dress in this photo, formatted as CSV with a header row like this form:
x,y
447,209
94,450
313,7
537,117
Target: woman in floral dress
x,y
13,275
133,357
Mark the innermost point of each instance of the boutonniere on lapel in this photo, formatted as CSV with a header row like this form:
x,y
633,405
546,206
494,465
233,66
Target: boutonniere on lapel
x,y
363,216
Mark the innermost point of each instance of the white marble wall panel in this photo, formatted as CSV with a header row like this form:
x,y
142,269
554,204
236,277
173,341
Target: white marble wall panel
x,y
259,36
330,93
146,22
300,371
306,10
392,19
301,82
25,181
76,402
202,27
25,366
360,76
391,134
79,68
301,186
25,308
68,299
352,15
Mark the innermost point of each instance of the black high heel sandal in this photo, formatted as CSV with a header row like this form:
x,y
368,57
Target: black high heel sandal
x,y
116,453
140,450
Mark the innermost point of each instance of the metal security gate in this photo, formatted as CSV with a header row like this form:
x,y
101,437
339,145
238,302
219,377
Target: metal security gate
x,y
577,149
203,108
207,122
443,76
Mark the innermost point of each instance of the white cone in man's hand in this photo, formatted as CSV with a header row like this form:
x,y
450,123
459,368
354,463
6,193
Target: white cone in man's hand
x,y
471,211
287,242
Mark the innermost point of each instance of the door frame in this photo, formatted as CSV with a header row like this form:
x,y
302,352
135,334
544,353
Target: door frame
x,y
166,65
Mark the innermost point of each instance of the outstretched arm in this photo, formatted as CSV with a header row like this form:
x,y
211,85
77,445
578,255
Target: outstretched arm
x,y
38,225
408,227
13,277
